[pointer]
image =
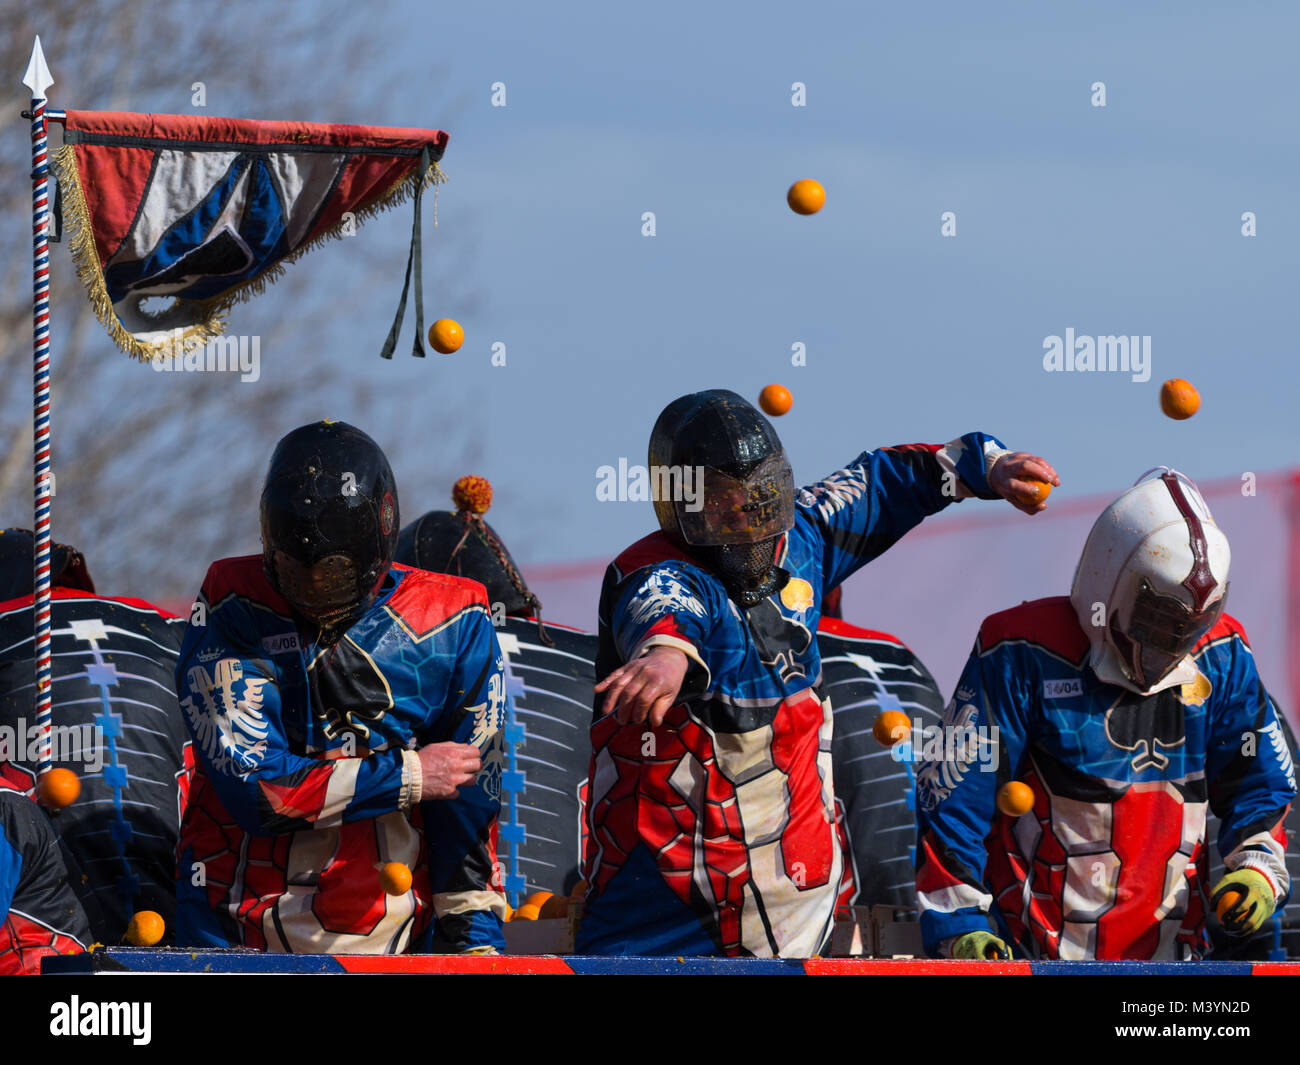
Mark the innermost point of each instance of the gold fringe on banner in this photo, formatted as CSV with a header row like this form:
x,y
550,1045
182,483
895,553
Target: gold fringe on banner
x,y
209,315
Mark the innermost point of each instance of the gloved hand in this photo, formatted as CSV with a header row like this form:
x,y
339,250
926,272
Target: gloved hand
x,y
980,946
1252,909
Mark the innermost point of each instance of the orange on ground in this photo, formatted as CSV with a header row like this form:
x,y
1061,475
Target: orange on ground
x,y
1227,901
58,788
806,196
146,929
891,727
446,336
775,400
1179,399
1015,798
395,878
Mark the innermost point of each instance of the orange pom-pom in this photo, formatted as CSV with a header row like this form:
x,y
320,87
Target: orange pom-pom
x,y
473,494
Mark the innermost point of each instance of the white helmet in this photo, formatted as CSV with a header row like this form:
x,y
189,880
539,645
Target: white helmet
x,y
1159,564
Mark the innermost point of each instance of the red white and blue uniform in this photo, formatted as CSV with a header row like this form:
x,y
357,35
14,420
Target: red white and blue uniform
x,y
40,915
1111,862
715,833
308,780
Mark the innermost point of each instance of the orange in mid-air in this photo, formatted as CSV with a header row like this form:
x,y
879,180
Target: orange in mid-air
x,y
891,727
1227,901
395,878
446,336
146,929
58,788
1015,798
775,400
806,196
1038,491
1179,399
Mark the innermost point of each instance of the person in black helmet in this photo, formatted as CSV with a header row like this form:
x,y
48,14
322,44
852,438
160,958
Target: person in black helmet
x,y
711,800
347,717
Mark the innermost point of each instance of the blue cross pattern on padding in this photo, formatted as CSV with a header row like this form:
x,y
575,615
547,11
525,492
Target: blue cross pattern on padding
x,y
513,781
103,675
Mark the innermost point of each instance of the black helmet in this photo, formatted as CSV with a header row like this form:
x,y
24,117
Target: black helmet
x,y
723,488
329,522
17,552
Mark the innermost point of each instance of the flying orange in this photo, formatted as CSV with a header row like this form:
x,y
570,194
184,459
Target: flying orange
x,y
806,196
891,727
775,400
1179,399
58,788
395,878
446,336
1015,798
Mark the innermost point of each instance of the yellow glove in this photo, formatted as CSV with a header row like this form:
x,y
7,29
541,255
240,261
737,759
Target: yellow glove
x,y
980,946
1243,900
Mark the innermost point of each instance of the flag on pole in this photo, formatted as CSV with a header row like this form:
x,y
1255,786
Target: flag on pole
x,y
174,218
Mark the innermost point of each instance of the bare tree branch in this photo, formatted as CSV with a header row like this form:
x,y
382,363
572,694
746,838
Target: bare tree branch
x,y
158,473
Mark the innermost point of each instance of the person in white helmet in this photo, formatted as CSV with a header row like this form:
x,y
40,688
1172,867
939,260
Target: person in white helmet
x,y
1125,708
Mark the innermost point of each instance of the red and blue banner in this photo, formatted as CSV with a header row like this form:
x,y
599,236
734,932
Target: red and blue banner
x,y
177,218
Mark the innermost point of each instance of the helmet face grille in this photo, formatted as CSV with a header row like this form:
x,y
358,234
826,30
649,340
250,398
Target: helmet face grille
x,y
1162,630
327,592
739,510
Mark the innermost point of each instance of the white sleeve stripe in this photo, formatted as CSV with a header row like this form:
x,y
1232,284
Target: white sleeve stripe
x,y
951,899
662,639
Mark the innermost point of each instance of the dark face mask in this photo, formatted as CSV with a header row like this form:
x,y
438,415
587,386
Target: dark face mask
x,y
1161,633
747,571
325,595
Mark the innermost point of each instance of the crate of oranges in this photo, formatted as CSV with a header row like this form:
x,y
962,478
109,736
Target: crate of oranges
x,y
545,923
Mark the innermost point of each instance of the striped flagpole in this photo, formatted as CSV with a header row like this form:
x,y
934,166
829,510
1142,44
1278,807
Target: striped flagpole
x,y
38,80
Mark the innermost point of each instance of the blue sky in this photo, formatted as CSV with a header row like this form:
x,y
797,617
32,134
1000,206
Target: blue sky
x,y
1116,220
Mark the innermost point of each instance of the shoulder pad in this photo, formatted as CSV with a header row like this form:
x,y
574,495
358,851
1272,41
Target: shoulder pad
x,y
1047,623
